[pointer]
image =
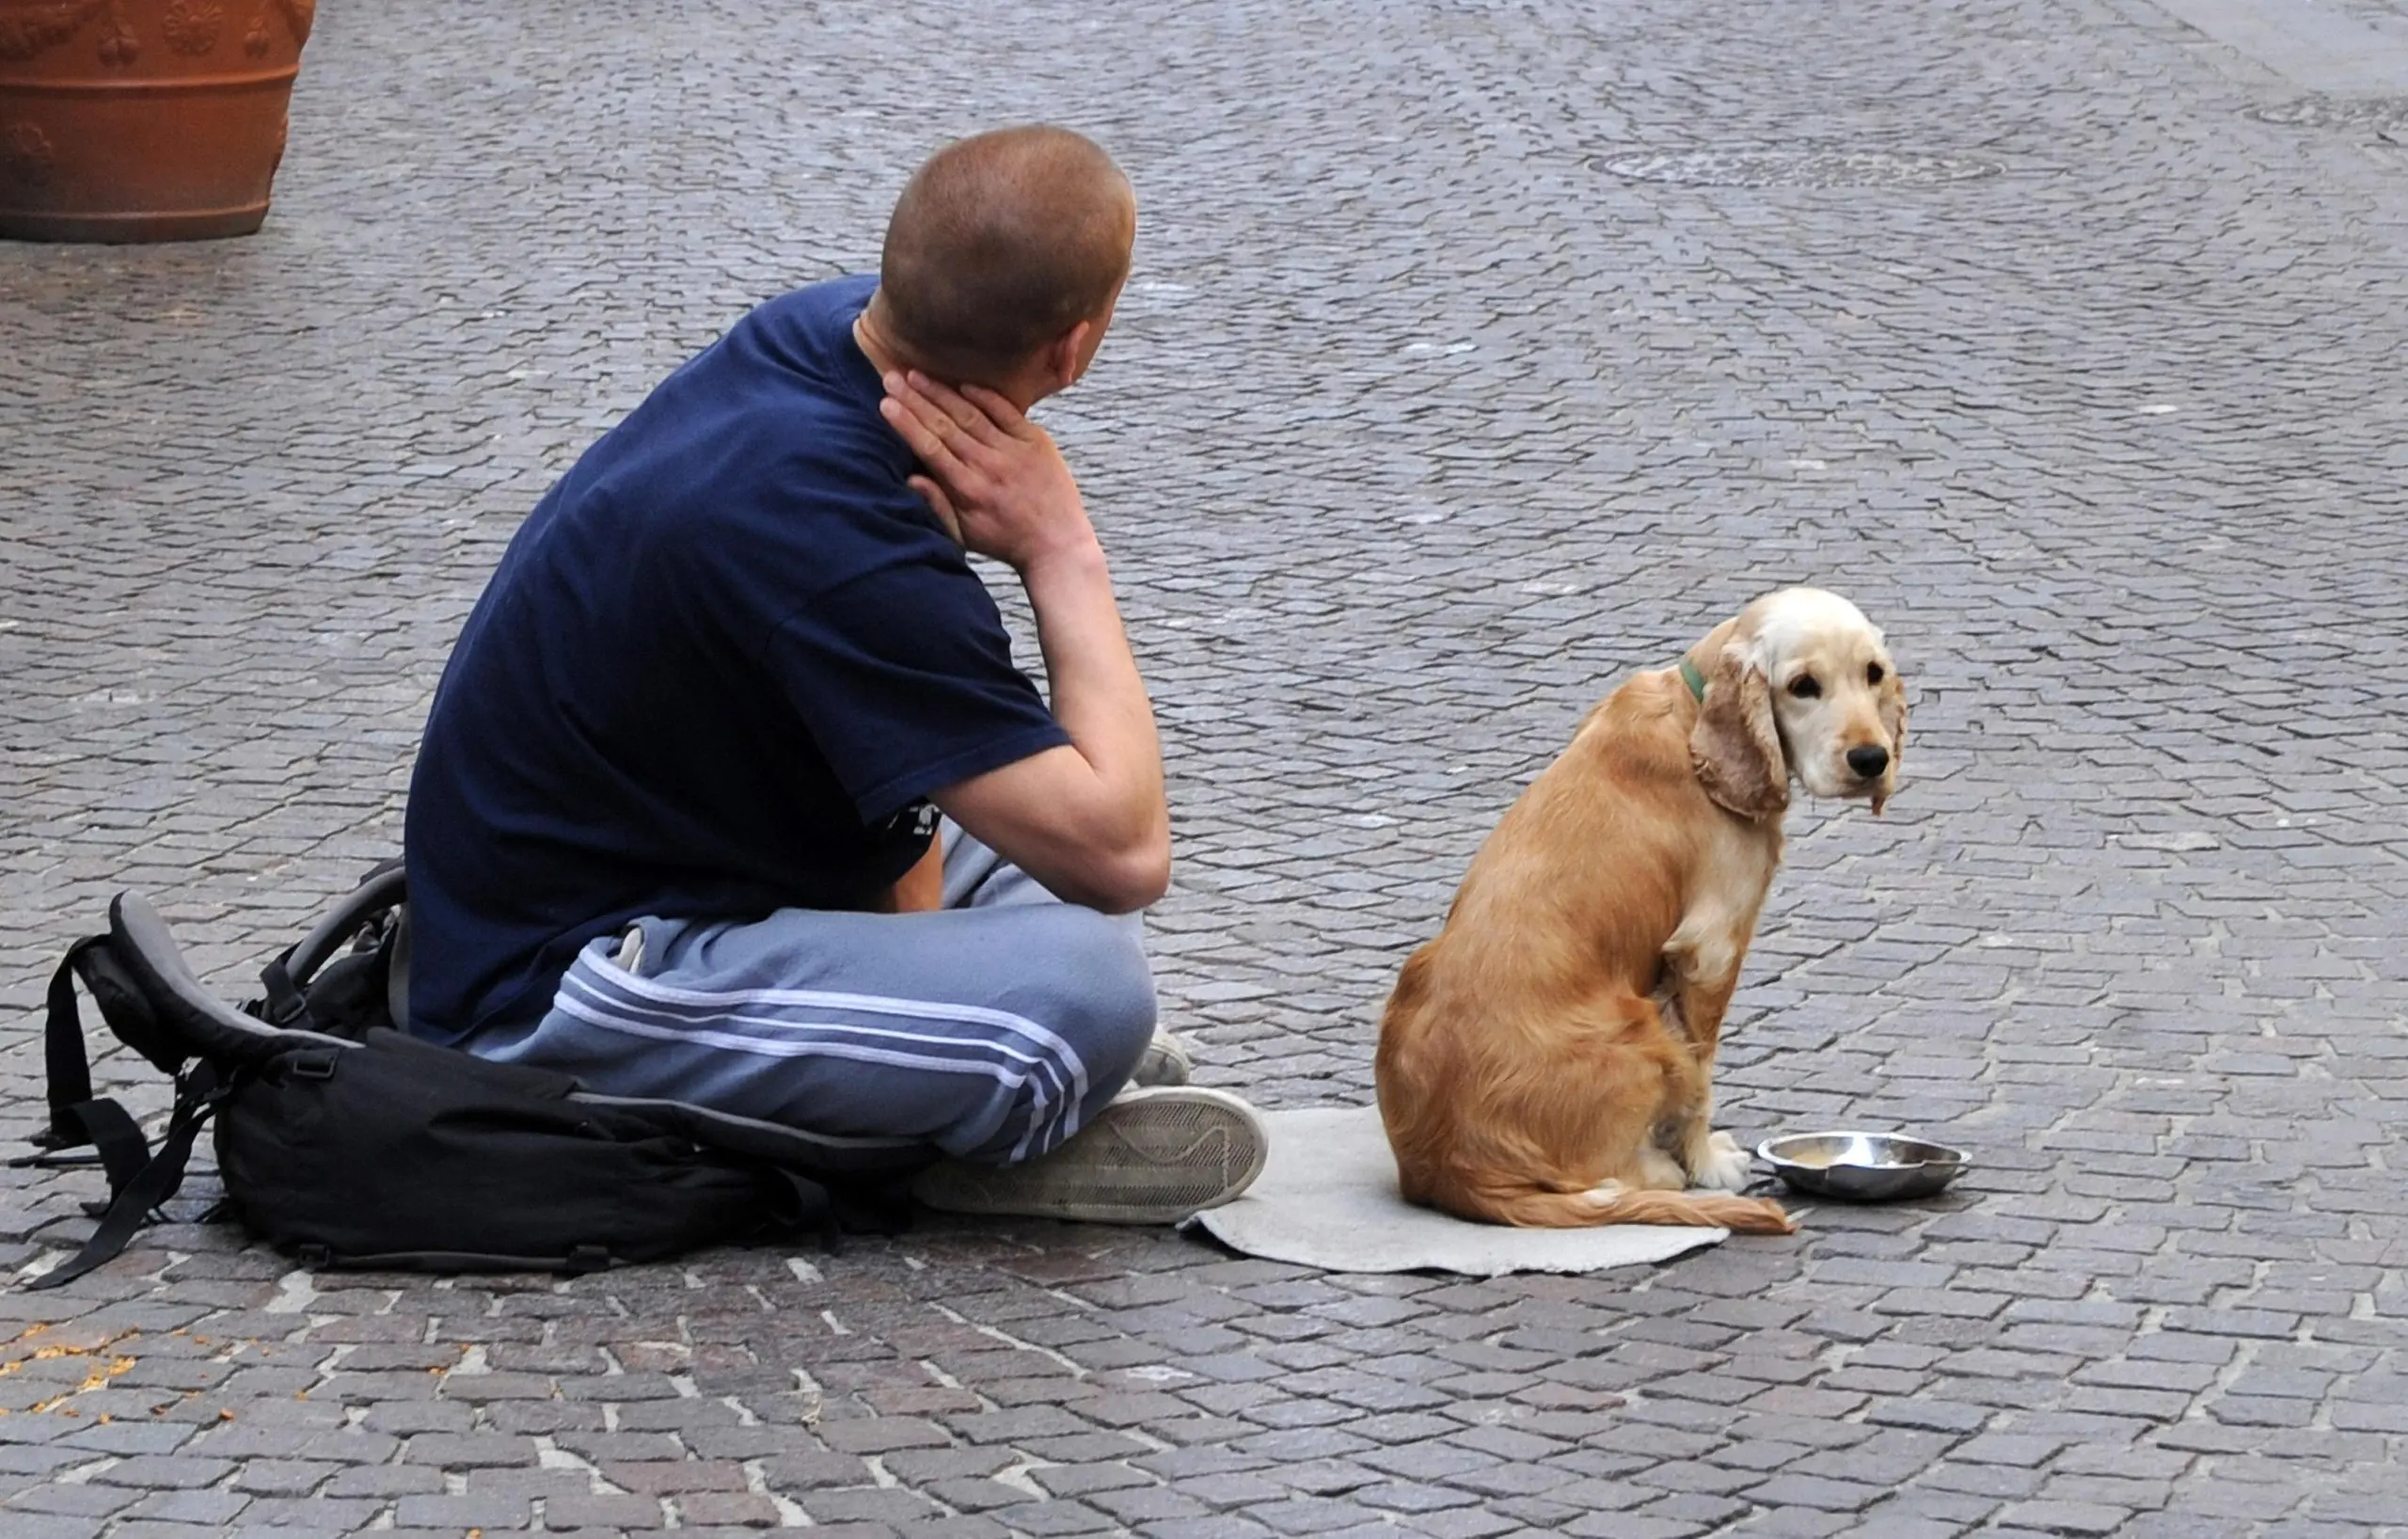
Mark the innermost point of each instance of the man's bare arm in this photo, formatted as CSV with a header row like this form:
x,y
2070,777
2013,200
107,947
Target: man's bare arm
x,y
1087,820
921,889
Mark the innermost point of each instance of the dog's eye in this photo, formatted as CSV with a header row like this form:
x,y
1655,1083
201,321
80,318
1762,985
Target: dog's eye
x,y
1804,687
1873,672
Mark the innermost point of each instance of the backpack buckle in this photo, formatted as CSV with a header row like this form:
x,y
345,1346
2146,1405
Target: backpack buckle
x,y
310,1065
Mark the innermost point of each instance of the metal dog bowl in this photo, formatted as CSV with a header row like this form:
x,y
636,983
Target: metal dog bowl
x,y
1861,1167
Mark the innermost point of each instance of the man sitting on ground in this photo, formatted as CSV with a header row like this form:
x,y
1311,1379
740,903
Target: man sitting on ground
x,y
732,792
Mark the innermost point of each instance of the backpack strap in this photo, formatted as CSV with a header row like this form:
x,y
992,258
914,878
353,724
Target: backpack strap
x,y
152,1002
62,1049
135,1198
116,1139
287,979
78,1119
291,998
283,1003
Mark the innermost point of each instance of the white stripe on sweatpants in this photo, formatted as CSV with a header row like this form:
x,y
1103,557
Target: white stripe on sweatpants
x,y
1045,1079
661,1004
601,1005
662,996
1033,1071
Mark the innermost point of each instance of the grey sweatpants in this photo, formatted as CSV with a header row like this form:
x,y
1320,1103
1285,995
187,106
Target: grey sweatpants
x,y
991,1028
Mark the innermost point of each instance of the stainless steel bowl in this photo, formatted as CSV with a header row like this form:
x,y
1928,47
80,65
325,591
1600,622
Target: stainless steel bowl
x,y
1861,1167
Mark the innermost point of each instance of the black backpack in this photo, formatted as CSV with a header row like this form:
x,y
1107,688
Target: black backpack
x,y
343,1141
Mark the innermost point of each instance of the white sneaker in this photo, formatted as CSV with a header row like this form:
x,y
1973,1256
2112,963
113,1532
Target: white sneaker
x,y
1151,1157
1163,1062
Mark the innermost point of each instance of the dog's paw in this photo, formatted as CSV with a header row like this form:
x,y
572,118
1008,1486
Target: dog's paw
x,y
1724,1165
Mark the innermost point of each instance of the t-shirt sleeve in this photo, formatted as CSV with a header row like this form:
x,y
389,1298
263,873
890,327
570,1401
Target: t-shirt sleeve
x,y
903,674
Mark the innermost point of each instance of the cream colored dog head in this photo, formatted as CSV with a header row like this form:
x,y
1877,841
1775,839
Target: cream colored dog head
x,y
1800,683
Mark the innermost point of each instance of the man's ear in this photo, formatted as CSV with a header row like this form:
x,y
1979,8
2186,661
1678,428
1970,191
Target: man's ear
x,y
1066,357
1890,701
1735,748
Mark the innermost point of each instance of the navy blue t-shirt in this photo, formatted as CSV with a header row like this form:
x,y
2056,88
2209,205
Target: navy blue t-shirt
x,y
718,671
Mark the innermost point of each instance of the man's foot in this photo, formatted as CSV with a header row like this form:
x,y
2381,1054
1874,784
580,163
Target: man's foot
x,y
1151,1157
1163,1062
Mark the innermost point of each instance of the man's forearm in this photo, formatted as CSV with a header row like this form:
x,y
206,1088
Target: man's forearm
x,y
1097,695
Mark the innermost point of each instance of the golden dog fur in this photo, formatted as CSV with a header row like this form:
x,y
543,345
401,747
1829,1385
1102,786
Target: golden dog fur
x,y
1547,1059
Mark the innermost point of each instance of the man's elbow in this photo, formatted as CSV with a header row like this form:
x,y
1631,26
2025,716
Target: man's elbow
x,y
1132,878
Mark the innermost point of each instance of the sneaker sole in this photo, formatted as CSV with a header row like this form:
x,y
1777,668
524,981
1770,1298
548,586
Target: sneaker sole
x,y
1151,1157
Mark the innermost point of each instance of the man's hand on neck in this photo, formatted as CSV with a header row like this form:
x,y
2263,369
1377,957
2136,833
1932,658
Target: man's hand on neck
x,y
876,339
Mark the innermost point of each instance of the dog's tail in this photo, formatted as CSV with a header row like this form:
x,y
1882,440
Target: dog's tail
x,y
1621,1205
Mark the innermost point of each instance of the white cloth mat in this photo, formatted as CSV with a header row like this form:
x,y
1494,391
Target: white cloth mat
x,y
1327,1198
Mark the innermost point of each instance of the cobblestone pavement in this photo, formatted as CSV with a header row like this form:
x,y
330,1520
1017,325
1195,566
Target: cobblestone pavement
x,y
1479,352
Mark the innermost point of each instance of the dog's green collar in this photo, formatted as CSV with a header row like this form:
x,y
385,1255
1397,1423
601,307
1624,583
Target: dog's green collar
x,y
1695,680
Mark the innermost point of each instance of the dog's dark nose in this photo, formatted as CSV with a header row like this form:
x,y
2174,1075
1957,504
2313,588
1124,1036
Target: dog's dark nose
x,y
1868,761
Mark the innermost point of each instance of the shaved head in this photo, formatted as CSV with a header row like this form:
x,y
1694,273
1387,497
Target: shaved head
x,y
999,245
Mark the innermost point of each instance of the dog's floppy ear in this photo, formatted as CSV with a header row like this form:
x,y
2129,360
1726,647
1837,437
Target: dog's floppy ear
x,y
1891,700
1734,749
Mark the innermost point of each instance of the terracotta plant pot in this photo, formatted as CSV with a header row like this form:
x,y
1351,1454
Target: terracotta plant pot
x,y
143,119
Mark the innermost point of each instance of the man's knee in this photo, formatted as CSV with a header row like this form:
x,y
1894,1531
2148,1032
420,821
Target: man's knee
x,y
1109,1002
1085,982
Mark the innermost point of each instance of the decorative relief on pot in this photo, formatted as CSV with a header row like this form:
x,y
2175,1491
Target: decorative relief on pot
x,y
298,15
25,156
192,26
30,29
119,47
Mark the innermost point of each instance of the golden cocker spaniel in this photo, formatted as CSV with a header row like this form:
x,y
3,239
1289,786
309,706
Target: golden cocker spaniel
x,y
1547,1059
